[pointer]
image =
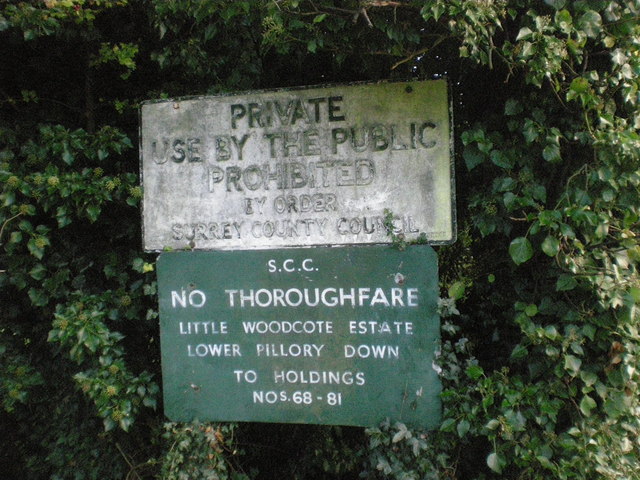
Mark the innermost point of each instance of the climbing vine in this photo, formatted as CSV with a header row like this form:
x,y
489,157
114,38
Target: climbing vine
x,y
539,294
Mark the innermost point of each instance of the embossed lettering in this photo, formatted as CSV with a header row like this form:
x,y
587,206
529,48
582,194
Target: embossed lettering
x,y
287,112
292,175
206,231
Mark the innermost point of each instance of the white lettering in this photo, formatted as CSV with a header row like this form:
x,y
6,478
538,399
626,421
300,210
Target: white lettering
x,y
328,297
314,377
374,351
214,350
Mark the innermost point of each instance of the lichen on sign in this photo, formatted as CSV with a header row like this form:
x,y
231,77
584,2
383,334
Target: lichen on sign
x,y
301,167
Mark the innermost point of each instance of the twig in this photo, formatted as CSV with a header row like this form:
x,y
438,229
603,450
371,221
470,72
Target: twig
x,y
6,222
553,89
363,13
422,51
385,3
126,459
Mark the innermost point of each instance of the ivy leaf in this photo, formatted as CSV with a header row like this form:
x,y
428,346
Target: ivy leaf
x,y
512,107
545,462
447,425
15,237
474,372
589,378
492,424
524,32
551,153
510,201
62,215
108,424
472,157
456,290
38,272
551,246
579,85
557,4
495,462
519,351
401,433
618,57
566,282
586,405
93,212
572,364
539,192
35,248
67,156
38,297
127,142
505,184
634,293
528,50
563,20
591,23
29,35
530,131
520,250
125,423
501,160
463,428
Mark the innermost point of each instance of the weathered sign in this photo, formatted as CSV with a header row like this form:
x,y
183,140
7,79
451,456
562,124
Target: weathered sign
x,y
342,336
302,167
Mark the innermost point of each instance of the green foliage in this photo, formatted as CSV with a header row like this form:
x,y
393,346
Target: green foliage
x,y
398,453
200,452
118,393
122,53
18,378
540,294
212,42
52,16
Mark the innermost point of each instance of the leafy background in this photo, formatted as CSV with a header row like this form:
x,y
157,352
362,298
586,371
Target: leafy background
x,y
539,294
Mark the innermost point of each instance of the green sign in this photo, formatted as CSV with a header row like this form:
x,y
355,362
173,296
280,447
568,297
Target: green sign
x,y
338,336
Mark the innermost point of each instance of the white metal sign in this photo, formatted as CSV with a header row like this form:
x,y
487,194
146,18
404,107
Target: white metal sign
x,y
338,165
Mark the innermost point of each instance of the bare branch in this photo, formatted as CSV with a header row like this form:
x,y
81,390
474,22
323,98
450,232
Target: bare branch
x,y
420,52
363,13
132,472
6,222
